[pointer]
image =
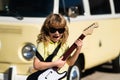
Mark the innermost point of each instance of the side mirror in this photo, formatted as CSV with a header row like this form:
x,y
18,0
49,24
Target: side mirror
x,y
73,11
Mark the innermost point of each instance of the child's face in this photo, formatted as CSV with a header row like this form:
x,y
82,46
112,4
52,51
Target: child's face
x,y
56,33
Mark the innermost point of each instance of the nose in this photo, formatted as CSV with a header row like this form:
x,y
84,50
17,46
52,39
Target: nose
x,y
56,32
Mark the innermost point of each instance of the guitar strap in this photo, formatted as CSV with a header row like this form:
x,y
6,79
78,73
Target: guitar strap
x,y
50,57
39,56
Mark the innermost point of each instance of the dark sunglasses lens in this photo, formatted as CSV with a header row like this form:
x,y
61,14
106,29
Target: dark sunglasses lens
x,y
52,30
61,30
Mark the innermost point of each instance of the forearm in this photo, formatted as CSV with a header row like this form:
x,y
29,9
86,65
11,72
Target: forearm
x,y
39,65
72,59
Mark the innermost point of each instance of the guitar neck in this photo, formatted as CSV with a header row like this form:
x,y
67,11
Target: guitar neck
x,y
73,46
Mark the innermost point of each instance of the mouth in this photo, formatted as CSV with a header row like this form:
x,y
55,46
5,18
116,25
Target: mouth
x,y
55,36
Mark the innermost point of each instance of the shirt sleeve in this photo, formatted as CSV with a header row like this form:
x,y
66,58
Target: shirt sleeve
x,y
40,49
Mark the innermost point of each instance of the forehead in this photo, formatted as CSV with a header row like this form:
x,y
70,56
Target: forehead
x,y
57,24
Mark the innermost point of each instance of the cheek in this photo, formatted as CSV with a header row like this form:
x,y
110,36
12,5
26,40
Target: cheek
x,y
61,35
50,35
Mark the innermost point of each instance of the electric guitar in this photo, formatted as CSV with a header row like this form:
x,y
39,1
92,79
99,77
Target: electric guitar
x,y
52,74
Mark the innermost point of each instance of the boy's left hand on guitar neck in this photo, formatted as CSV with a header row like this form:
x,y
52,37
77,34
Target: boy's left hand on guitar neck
x,y
79,44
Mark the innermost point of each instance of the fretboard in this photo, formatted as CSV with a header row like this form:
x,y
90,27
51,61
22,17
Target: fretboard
x,y
72,47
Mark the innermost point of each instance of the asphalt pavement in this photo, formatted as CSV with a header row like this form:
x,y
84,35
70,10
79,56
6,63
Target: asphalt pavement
x,y
102,76
103,72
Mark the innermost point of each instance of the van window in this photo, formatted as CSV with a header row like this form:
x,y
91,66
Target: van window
x,y
99,7
117,5
66,4
28,8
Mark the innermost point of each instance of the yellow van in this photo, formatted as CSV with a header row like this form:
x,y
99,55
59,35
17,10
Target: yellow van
x,y
21,20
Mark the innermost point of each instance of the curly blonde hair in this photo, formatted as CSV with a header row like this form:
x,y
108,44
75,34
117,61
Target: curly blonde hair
x,y
56,21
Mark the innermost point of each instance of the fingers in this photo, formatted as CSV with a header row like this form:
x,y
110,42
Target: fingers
x,y
60,62
78,42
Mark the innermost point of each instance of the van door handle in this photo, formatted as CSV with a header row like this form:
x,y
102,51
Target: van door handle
x,y
100,43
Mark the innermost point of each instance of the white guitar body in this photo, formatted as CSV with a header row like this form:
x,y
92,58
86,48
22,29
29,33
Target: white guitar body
x,y
51,74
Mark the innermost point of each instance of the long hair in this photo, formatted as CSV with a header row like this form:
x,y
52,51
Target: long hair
x,y
53,20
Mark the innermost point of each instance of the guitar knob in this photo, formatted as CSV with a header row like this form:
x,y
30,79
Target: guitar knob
x,y
50,71
45,77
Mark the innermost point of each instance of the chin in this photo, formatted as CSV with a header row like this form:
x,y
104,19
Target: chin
x,y
56,40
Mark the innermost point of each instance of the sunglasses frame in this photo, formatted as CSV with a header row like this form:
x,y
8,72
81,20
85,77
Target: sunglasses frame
x,y
53,30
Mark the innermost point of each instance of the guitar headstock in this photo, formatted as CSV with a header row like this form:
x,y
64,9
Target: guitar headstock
x,y
89,30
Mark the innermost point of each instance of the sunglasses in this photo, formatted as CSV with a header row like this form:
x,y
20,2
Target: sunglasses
x,y
53,30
